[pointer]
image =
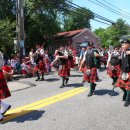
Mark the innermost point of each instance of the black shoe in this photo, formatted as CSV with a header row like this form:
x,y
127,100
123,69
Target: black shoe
x,y
37,79
62,86
126,104
90,94
67,79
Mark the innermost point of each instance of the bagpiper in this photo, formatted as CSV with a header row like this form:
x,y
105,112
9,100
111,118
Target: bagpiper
x,y
90,71
40,65
113,65
4,91
63,68
124,79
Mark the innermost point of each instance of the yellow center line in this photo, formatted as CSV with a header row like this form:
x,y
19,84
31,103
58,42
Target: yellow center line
x,y
41,103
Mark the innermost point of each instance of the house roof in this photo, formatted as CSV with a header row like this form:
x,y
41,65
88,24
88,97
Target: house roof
x,y
70,33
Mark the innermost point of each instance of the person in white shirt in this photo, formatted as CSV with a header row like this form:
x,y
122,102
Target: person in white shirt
x,y
31,56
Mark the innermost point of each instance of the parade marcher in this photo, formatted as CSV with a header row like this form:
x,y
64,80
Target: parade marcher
x,y
40,65
71,58
90,71
97,61
104,57
64,70
124,79
113,65
4,91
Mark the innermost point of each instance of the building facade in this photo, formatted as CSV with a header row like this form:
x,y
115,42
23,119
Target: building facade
x,y
75,38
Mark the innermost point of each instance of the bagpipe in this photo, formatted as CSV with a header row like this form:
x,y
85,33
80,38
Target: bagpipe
x,y
59,62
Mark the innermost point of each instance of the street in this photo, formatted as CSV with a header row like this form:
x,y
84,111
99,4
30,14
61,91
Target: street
x,y
43,105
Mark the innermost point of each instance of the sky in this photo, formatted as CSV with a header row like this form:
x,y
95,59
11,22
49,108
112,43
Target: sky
x,y
121,4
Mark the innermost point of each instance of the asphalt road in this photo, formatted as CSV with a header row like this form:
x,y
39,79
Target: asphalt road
x,y
104,110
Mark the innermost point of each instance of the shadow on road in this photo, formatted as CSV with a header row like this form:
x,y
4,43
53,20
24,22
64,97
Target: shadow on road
x,y
105,91
24,116
76,85
76,76
52,79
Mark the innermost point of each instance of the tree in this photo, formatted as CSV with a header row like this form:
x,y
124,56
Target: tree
x,y
41,20
7,9
77,19
113,33
6,36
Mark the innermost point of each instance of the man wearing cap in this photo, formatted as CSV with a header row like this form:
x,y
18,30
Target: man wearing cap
x,y
124,79
90,71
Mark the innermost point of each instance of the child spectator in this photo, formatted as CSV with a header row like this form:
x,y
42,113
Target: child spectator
x,y
24,68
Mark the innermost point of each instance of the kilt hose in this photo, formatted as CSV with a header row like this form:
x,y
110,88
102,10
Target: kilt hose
x,y
115,72
4,91
123,83
64,71
92,77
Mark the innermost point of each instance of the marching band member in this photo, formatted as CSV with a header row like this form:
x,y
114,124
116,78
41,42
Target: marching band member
x,y
61,62
40,65
124,79
4,91
90,71
113,65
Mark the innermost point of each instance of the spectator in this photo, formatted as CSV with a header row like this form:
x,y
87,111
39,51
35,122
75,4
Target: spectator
x,y
24,68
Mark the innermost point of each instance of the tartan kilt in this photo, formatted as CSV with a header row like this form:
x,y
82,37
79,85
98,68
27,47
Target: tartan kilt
x,y
40,67
93,75
115,72
4,91
123,83
64,71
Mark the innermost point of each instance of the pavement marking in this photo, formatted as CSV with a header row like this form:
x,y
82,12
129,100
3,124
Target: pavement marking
x,y
41,103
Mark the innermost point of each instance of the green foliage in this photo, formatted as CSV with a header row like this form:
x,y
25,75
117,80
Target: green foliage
x,y
7,9
77,19
112,34
6,36
41,20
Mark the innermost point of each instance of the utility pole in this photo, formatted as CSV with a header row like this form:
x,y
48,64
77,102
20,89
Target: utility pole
x,y
20,28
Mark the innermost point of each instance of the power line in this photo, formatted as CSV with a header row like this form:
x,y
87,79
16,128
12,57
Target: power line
x,y
109,8
96,15
85,10
128,13
113,10
101,21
